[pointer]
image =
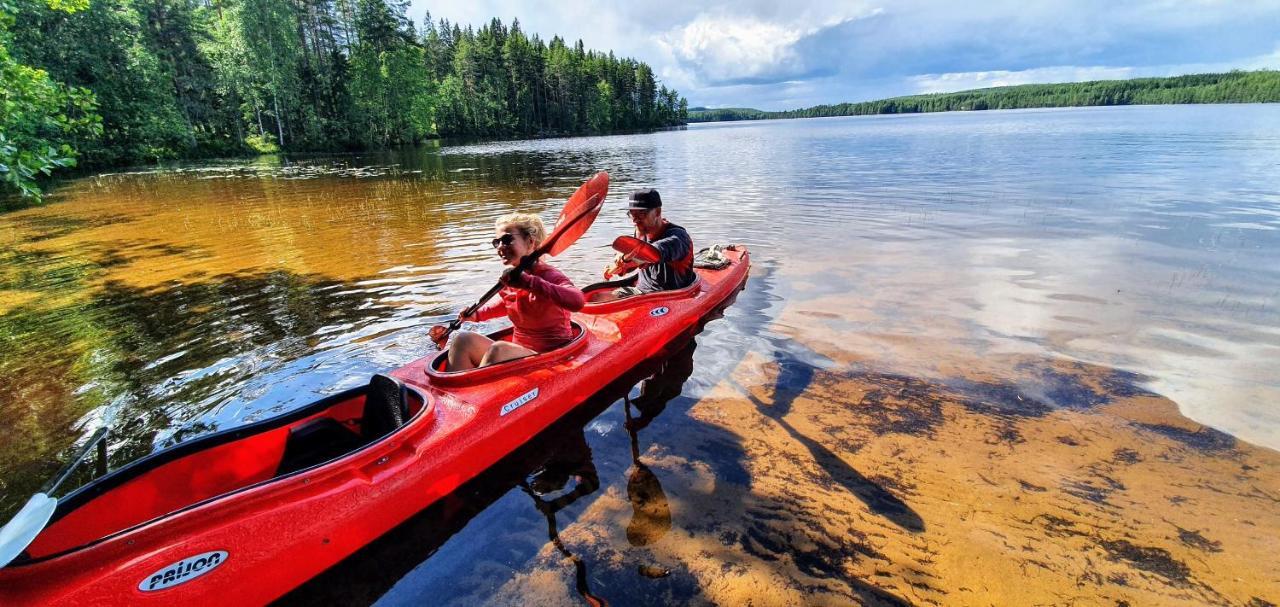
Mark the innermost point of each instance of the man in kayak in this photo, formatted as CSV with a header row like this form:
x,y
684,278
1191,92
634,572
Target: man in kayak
x,y
538,301
675,270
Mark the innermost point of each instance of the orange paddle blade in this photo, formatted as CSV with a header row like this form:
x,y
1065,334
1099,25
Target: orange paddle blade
x,y
439,334
578,214
633,248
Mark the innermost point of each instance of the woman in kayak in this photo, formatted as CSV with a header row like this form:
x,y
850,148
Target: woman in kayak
x,y
538,301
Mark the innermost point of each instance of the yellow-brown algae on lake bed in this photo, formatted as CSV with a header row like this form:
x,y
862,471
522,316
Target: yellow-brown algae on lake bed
x,y
866,487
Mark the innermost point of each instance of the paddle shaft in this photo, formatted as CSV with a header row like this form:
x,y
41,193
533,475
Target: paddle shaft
x,y
63,474
526,262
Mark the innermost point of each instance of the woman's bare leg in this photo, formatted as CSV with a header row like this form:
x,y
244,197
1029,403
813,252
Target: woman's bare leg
x,y
467,351
501,351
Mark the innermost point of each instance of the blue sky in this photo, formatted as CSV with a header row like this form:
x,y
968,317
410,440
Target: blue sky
x,y
775,55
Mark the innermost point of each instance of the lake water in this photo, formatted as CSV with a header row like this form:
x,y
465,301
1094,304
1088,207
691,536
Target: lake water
x,y
1041,345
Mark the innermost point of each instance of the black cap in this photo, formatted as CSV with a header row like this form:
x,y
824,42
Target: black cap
x,y
647,198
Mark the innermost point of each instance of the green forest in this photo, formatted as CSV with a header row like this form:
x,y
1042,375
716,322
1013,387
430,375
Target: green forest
x,y
1233,87
99,83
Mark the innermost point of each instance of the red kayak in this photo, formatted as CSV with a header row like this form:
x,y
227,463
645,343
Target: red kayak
x,y
245,515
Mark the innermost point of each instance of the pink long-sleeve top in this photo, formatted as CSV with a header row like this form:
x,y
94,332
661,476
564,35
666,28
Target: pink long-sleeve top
x,y
539,311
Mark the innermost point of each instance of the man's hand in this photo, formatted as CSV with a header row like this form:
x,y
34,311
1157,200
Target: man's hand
x,y
614,266
621,265
622,270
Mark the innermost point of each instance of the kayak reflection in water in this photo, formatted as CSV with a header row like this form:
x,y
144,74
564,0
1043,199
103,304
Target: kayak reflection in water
x,y
572,462
538,301
651,514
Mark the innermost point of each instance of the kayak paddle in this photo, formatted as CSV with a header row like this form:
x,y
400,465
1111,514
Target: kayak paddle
x,y
578,214
633,249
23,528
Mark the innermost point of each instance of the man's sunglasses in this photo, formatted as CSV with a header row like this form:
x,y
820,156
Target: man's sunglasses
x,y
505,239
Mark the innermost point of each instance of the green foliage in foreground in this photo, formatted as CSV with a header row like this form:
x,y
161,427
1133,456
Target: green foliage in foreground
x,y
39,117
116,82
1233,87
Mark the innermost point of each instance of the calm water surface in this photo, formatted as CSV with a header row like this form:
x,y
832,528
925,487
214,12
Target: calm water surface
x,y
989,274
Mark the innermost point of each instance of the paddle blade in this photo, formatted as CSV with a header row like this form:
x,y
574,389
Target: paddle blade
x,y
578,214
575,218
18,533
440,335
633,248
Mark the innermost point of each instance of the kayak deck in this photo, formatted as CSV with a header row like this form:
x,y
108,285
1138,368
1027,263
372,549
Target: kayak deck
x,y
220,464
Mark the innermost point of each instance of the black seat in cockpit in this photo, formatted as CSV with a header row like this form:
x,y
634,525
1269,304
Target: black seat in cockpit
x,y
386,407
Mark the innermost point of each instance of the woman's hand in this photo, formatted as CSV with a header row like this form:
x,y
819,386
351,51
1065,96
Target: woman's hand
x,y
514,277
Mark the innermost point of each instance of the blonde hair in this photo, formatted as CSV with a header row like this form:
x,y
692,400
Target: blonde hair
x,y
529,224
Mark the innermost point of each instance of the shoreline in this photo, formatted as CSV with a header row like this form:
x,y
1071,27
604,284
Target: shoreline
x,y
989,111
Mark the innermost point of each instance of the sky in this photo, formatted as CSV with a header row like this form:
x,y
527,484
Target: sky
x,y
776,55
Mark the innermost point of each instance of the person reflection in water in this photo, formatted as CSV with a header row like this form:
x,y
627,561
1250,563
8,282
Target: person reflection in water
x,y
570,474
571,462
538,301
651,514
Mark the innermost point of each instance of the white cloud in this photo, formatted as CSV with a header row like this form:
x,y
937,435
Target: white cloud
x,y
734,48
723,48
960,81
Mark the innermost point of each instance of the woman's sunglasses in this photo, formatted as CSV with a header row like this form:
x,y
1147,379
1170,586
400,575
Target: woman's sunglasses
x,y
505,239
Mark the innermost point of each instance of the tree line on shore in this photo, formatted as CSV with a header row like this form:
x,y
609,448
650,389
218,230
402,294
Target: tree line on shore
x,y
1233,87
116,82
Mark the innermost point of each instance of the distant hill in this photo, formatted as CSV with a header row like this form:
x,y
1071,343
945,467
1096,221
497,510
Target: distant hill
x,y
1261,86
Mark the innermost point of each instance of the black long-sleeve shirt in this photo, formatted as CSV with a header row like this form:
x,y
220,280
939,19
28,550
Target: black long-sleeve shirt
x,y
675,245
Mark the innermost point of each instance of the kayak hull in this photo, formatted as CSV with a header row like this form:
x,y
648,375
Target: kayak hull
x,y
254,544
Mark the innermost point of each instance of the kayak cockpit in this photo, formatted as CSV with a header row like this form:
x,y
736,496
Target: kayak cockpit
x,y
225,462
436,369
600,299
708,261
603,291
